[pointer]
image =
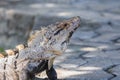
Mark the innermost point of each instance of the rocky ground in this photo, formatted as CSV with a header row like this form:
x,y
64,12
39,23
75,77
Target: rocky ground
x,y
94,50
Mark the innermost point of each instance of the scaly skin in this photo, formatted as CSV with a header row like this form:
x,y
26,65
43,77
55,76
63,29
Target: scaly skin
x,y
42,48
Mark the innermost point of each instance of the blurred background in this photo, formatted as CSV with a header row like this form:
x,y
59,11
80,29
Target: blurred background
x,y
17,17
93,53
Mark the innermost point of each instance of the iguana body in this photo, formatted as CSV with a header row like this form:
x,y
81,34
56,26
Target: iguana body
x,y
42,48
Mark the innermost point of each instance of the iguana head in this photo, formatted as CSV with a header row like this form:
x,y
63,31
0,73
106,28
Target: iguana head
x,y
56,36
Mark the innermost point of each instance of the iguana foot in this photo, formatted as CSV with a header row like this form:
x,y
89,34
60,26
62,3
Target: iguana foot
x,y
52,75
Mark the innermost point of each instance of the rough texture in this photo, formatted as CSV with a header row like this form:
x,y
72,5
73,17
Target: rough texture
x,y
99,18
42,48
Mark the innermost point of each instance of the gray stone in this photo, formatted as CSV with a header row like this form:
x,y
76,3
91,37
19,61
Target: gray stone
x,y
72,63
2,14
77,41
69,60
107,54
101,63
118,40
116,70
111,17
116,25
115,10
22,21
15,27
74,48
106,29
45,21
69,55
83,75
116,78
84,34
108,47
94,46
14,40
106,37
3,27
3,39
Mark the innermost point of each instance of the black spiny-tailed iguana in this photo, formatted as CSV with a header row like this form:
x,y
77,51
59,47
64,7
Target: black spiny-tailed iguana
x,y
23,62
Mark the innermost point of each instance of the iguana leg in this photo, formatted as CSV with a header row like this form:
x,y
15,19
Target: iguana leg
x,y
52,75
25,75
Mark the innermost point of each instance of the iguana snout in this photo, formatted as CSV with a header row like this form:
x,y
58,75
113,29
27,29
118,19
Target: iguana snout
x,y
61,33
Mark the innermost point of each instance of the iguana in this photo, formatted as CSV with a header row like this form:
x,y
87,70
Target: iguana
x,y
25,61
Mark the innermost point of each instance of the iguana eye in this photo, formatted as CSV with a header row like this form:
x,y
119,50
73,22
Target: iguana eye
x,y
65,25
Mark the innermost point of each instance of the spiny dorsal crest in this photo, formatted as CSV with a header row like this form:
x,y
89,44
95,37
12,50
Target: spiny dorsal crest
x,y
55,36
10,52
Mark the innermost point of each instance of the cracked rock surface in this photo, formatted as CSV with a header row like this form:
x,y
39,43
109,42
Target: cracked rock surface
x,y
94,49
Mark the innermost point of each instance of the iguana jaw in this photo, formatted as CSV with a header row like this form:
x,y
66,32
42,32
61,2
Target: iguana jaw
x,y
63,34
